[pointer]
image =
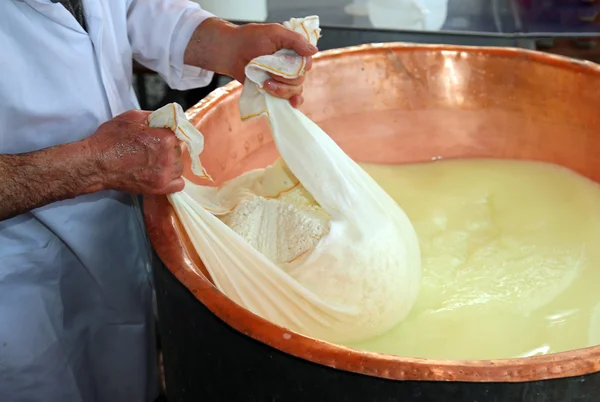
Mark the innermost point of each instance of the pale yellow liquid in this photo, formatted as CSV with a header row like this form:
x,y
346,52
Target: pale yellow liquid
x,y
511,259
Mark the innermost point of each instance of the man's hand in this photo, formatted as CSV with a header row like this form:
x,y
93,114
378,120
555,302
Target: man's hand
x,y
225,48
255,40
124,154
135,158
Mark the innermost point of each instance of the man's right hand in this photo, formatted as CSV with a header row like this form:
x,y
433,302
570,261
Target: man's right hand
x,y
124,154
137,159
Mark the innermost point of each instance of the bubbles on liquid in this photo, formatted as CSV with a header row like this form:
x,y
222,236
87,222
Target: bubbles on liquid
x,y
509,260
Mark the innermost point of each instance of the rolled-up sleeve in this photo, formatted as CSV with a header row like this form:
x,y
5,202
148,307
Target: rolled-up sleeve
x,y
159,32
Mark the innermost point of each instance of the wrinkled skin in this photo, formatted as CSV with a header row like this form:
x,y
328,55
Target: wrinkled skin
x,y
136,158
225,48
261,39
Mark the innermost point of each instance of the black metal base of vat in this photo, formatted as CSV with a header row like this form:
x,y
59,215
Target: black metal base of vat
x,y
206,360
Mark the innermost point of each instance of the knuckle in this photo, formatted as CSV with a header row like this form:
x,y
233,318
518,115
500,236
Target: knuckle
x,y
276,28
115,123
130,114
170,139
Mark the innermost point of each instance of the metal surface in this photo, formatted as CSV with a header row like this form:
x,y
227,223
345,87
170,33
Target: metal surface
x,y
398,103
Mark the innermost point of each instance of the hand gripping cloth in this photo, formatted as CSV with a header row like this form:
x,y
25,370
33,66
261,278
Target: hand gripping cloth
x,y
359,272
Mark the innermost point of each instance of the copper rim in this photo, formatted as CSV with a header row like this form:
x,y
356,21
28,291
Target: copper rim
x,y
168,241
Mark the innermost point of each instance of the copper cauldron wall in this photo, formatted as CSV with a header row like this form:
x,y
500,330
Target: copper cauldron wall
x,y
387,103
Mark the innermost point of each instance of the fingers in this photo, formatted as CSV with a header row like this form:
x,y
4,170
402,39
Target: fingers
x,y
173,164
178,150
297,100
293,81
308,64
153,162
174,186
292,40
282,90
177,170
137,116
169,170
173,177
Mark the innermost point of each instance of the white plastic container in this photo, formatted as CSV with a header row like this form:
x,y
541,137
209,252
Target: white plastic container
x,y
408,14
237,10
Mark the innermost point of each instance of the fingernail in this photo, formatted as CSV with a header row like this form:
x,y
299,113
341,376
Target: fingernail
x,y
270,84
312,48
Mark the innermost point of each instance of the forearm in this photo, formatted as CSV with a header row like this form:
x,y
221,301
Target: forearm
x,y
210,46
39,178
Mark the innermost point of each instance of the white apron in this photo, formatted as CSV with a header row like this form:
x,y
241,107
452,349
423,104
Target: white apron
x,y
76,319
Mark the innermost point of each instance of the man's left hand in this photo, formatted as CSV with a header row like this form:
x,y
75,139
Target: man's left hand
x,y
226,49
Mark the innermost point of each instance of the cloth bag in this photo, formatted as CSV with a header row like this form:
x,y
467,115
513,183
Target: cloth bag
x,y
360,280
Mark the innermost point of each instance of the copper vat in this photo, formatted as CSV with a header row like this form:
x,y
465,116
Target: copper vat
x,y
383,103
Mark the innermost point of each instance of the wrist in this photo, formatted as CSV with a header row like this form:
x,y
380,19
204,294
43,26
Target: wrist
x,y
213,46
82,167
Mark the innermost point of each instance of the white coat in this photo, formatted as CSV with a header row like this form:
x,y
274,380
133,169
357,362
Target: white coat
x,y
76,318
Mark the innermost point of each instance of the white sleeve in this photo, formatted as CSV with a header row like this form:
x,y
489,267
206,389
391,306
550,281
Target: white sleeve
x,y
159,32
